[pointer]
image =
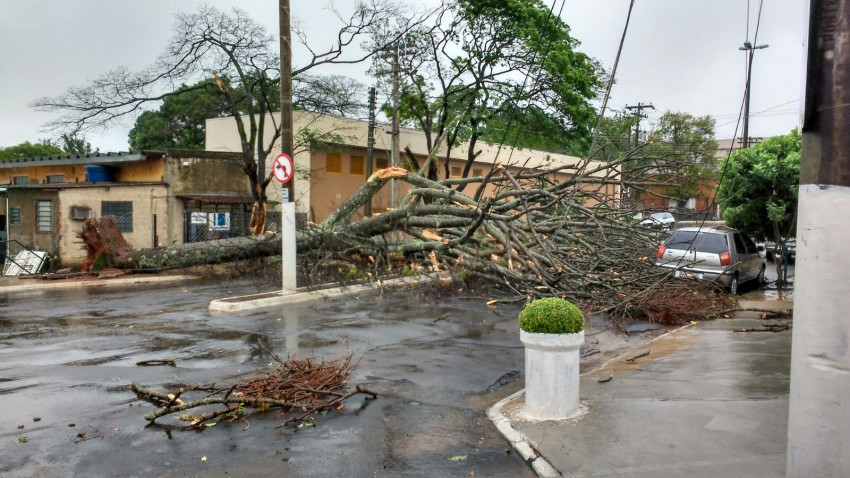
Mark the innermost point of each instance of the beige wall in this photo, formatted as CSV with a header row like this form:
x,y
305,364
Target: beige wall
x,y
147,200
324,191
25,232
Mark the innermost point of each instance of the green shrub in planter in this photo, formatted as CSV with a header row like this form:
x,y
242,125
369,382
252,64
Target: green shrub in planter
x,y
551,316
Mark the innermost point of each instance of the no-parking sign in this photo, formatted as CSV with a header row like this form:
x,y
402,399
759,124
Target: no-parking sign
x,y
283,168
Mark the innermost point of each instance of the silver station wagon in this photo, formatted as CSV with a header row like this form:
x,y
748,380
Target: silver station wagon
x,y
719,254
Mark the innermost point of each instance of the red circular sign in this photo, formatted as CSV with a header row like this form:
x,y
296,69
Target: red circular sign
x,y
283,168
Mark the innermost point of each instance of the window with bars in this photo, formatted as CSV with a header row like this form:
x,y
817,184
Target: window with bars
x,y
14,215
123,212
44,216
333,163
55,178
476,172
357,165
20,180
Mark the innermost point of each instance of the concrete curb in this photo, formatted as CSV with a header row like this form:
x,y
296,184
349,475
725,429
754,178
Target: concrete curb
x,y
36,285
521,443
270,299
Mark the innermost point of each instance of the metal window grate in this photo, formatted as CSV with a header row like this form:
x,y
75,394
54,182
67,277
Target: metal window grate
x,y
44,216
123,212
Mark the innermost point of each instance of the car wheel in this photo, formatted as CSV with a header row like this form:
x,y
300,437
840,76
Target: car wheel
x,y
733,286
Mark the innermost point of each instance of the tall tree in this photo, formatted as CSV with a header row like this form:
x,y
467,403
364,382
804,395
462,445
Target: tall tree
x,y
240,57
758,194
678,161
490,70
180,121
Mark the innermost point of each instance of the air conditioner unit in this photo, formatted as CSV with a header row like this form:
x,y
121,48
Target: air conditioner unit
x,y
80,213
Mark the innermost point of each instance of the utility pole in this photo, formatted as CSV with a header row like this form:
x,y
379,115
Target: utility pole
x,y
287,205
394,52
370,146
395,141
637,111
818,412
750,49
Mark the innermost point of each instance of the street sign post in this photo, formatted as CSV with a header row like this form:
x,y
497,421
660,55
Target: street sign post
x,y
283,168
282,172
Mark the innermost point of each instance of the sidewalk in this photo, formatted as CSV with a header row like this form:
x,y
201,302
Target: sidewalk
x,y
705,402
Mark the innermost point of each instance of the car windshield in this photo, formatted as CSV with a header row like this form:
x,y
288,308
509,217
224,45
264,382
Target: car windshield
x,y
699,241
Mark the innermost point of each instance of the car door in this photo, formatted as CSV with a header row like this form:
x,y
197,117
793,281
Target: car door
x,y
753,256
742,258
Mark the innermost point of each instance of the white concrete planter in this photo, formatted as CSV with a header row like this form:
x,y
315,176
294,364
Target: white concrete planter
x,y
551,374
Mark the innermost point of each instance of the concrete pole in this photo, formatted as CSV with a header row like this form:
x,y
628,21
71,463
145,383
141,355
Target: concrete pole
x,y
819,409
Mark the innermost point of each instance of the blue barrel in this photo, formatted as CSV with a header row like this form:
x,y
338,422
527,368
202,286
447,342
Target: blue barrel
x,y
97,173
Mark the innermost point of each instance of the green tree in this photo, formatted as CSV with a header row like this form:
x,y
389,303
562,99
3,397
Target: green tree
x,y
180,121
235,53
30,150
758,194
492,70
76,145
678,159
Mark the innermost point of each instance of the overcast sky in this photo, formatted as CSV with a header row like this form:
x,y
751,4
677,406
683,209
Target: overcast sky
x,y
679,55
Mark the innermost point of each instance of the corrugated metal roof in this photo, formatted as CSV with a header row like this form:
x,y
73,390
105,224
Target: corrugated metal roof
x,y
93,158
77,185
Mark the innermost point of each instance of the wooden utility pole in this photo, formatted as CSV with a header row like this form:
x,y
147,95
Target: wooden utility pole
x,y
750,49
287,206
370,146
286,127
818,411
637,111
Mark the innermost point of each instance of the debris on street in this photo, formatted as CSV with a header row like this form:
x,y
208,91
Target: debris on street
x,y
296,387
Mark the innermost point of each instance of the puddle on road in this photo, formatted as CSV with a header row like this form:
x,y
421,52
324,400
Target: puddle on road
x,y
661,347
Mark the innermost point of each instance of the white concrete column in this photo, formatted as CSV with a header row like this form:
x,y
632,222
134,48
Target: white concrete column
x,y
551,374
288,256
819,410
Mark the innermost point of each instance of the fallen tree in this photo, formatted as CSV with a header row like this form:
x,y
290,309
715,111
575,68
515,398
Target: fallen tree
x,y
531,235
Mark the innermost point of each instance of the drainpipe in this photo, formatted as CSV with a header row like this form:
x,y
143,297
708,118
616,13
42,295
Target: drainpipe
x,y
819,400
169,201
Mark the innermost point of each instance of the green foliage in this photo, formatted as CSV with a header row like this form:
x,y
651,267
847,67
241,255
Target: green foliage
x,y
499,71
758,194
179,123
76,145
551,315
613,137
30,150
682,148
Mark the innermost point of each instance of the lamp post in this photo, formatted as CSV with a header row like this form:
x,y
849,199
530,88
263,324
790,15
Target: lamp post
x,y
750,49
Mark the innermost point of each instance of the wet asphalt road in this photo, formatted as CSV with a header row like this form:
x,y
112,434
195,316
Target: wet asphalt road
x,y
66,357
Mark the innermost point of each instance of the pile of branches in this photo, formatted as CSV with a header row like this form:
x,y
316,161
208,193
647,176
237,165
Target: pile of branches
x,y
297,388
559,231
528,233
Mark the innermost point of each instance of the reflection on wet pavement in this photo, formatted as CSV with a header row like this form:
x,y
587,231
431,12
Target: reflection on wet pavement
x,y
68,356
